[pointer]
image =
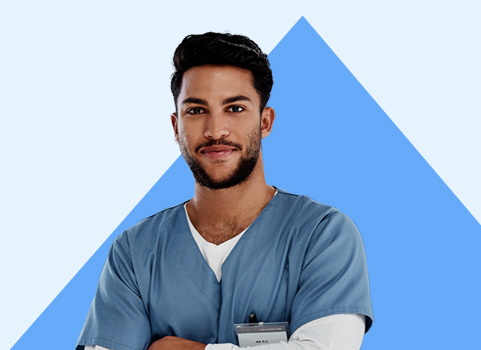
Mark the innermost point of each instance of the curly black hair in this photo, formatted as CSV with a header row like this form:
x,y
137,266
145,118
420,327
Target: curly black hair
x,y
223,49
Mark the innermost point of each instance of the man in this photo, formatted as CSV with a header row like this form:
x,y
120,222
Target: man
x,y
182,279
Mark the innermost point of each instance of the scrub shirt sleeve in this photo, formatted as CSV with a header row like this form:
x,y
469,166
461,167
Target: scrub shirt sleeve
x,y
334,278
117,318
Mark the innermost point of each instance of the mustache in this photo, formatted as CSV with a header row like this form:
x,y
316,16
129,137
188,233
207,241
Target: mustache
x,y
218,143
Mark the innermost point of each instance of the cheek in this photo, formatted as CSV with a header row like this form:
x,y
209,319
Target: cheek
x,y
186,140
189,131
182,138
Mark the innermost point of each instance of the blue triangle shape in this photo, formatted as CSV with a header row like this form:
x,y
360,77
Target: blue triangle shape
x,y
333,142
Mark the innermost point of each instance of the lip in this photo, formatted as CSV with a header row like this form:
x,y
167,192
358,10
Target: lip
x,y
217,152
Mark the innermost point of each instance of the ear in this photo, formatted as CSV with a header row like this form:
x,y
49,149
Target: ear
x,y
267,119
174,119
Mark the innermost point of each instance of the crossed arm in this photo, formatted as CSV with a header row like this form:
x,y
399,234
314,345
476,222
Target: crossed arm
x,y
335,332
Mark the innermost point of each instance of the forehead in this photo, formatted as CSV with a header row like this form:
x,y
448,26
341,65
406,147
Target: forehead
x,y
212,82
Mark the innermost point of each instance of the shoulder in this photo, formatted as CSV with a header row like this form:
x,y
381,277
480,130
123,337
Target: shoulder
x,y
305,209
151,230
315,219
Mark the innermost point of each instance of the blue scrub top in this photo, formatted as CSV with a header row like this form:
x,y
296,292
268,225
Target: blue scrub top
x,y
298,261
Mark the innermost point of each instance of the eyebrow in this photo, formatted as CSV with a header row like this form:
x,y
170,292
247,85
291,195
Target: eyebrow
x,y
194,100
235,99
224,102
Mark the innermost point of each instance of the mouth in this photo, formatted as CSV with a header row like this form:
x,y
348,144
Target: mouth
x,y
217,152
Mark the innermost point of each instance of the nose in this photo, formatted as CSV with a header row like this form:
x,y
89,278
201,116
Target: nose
x,y
216,127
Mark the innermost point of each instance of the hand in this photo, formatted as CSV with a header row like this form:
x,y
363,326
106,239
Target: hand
x,y
176,343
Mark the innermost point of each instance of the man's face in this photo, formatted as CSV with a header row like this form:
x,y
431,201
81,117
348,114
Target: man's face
x,y
218,125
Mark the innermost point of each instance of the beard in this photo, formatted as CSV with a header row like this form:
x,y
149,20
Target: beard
x,y
244,168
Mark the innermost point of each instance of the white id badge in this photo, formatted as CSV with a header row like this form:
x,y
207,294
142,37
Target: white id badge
x,y
252,334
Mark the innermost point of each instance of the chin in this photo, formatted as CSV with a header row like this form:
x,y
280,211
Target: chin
x,y
223,175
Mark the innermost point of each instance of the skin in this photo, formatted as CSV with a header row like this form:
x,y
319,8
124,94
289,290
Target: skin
x,y
204,116
176,343
217,105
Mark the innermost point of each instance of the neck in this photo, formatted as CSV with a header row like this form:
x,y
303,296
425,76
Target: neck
x,y
221,214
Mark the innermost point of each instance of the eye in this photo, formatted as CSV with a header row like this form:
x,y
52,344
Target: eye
x,y
195,110
236,109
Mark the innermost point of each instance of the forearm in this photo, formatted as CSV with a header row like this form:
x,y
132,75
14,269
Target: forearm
x,y
336,332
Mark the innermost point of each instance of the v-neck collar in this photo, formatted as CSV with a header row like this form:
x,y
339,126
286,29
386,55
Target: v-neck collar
x,y
198,269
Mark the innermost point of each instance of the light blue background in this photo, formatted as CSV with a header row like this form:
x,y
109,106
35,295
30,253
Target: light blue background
x,y
422,244
84,112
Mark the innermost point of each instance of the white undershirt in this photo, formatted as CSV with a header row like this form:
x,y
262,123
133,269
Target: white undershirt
x,y
334,332
214,255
